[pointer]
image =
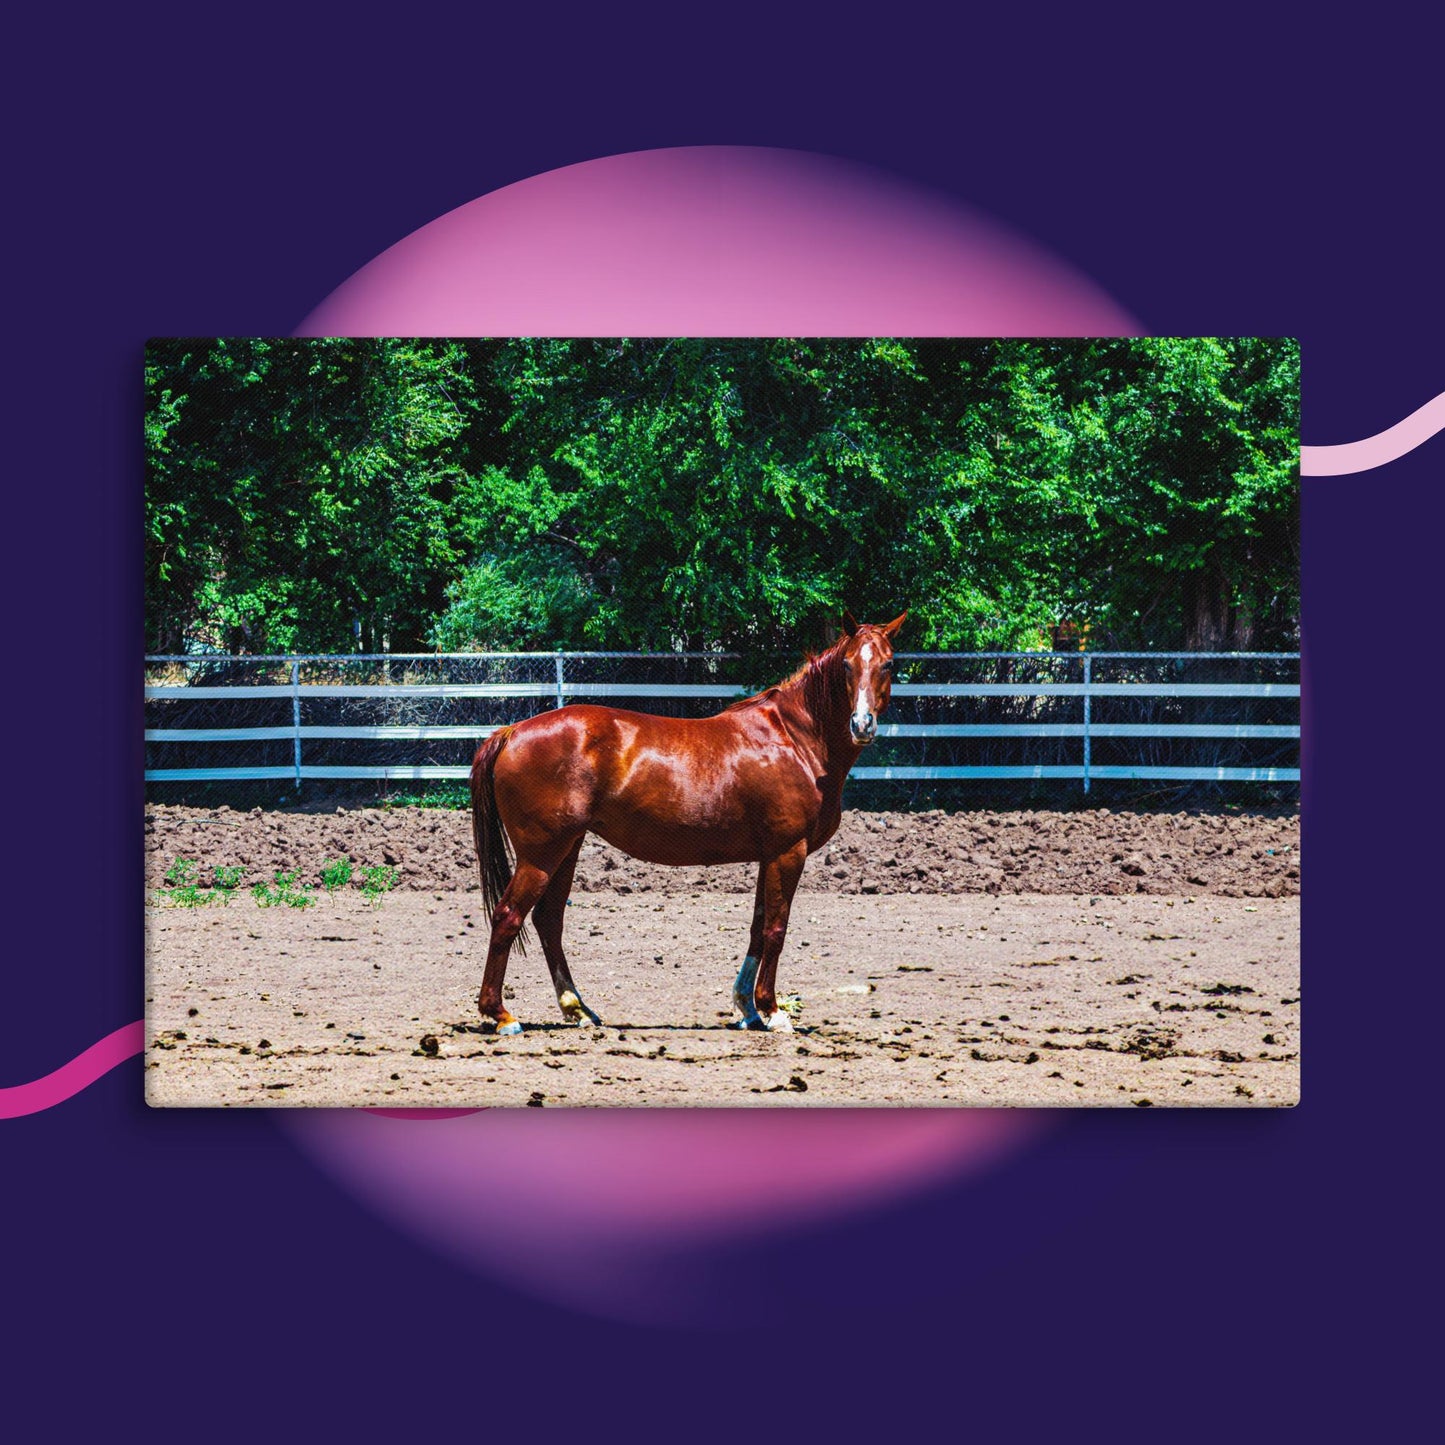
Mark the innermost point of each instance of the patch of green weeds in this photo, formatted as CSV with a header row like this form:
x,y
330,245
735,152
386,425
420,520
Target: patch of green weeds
x,y
184,891
377,882
227,879
335,873
436,795
182,873
284,892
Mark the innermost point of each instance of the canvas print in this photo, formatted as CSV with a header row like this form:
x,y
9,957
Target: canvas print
x,y
573,722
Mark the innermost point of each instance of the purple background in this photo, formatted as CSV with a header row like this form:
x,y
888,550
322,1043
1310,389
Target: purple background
x,y
1170,1272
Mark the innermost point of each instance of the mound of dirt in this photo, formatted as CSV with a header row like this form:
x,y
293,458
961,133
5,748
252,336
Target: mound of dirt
x,y
1087,852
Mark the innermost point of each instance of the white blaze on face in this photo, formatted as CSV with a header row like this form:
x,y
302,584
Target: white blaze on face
x,y
864,704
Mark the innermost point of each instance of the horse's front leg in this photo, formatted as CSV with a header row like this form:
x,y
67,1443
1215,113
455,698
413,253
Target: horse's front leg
x,y
780,881
747,978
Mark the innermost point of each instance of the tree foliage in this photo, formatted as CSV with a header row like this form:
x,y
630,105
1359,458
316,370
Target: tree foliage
x,y
320,495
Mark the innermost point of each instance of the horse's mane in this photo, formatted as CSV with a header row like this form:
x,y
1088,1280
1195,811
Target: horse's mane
x,y
820,676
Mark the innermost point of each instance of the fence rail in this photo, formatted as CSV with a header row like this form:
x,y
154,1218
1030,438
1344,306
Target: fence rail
x,y
523,683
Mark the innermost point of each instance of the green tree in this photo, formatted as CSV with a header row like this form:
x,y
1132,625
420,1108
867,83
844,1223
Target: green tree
x,y
298,490
721,493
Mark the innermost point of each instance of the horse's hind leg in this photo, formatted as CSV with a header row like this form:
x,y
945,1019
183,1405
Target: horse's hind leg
x,y
528,884
550,915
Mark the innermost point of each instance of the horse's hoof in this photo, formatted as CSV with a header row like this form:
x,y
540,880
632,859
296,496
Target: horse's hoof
x,y
575,1012
752,1022
778,1023
512,1028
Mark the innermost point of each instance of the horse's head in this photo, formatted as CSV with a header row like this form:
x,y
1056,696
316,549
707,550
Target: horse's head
x,y
868,665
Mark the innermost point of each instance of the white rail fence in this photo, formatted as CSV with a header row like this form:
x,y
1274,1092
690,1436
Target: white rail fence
x,y
553,683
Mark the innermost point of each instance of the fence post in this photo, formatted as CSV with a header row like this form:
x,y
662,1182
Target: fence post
x,y
561,701
296,717
1086,721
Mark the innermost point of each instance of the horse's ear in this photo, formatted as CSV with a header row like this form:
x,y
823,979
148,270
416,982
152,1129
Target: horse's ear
x,y
890,629
850,623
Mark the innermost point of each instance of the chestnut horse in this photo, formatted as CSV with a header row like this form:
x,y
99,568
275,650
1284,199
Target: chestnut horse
x,y
761,782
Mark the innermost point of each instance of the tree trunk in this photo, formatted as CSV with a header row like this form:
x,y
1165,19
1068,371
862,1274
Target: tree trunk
x,y
1212,622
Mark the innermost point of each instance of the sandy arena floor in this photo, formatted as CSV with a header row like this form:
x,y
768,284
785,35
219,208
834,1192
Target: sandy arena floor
x,y
930,998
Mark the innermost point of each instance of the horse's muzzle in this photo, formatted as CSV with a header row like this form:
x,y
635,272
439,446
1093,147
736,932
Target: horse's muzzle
x,y
864,729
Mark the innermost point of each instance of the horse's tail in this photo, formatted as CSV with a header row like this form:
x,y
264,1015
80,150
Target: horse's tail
x,y
493,850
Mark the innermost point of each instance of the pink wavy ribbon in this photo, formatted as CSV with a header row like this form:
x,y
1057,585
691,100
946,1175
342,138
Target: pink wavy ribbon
x,y
80,1073
101,1057
1375,451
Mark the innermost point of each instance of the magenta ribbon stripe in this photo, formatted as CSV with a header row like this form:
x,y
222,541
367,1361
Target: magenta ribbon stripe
x,y
101,1057
80,1073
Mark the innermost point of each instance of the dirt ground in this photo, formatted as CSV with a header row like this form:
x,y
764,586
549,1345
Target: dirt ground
x,y
948,853
1117,997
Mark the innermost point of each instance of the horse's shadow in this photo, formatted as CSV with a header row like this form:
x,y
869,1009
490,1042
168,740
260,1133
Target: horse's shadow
x,y
566,1030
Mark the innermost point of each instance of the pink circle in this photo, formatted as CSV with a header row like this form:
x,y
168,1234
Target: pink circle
x,y
715,241
693,241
